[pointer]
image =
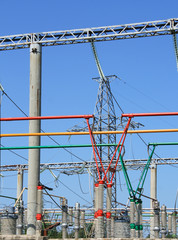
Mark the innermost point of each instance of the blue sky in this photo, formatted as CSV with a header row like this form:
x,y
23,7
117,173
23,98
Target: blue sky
x,y
146,66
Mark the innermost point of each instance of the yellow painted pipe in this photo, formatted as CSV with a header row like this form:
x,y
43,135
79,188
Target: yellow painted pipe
x,y
87,133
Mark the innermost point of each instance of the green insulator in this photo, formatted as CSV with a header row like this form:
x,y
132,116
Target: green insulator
x,y
132,225
132,200
137,227
138,201
141,227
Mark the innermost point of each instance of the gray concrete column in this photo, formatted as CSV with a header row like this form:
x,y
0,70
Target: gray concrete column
x,y
34,126
163,221
19,222
64,218
108,210
132,217
153,194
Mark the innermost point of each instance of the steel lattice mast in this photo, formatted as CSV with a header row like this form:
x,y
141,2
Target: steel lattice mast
x,y
105,119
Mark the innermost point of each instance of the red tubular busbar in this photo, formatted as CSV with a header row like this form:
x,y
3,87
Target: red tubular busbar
x,y
131,115
46,117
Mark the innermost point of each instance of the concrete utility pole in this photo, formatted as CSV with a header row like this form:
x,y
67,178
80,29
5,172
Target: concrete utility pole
x,y
19,223
34,126
153,194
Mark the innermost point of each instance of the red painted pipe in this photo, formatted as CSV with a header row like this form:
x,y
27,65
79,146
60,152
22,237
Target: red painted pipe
x,y
131,115
46,117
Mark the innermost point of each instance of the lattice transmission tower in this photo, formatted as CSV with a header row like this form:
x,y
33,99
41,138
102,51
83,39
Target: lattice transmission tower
x,y
105,120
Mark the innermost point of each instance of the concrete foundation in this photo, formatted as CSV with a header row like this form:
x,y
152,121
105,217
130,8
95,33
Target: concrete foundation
x,y
33,237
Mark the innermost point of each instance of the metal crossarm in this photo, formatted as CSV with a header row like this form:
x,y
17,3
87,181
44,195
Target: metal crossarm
x,y
107,33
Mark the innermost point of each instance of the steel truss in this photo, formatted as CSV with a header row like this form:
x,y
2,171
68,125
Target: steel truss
x,y
107,33
71,166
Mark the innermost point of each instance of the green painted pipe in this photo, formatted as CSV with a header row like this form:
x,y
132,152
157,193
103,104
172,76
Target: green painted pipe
x,y
8,197
163,144
56,146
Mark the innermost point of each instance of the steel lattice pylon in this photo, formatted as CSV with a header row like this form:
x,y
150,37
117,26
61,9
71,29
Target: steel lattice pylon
x,y
105,120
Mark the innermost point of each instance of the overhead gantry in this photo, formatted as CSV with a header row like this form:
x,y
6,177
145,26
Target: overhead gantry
x,y
35,41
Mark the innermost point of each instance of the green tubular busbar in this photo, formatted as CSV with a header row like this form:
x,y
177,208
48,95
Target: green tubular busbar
x,y
55,146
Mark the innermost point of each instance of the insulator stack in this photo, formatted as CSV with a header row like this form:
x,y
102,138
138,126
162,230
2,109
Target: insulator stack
x,y
70,211
77,220
64,218
163,221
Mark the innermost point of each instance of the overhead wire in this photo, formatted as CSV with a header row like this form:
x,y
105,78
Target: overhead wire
x,y
42,129
102,76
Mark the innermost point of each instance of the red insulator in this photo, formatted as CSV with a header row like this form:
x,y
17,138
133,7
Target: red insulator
x,y
95,215
40,187
99,213
38,216
108,215
101,181
109,185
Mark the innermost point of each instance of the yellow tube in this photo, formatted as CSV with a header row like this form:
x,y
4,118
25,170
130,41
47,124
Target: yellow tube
x,y
87,133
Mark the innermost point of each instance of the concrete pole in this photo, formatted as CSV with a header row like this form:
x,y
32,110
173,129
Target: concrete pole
x,y
132,217
34,126
174,224
39,210
163,221
64,218
153,194
77,220
170,224
19,223
108,210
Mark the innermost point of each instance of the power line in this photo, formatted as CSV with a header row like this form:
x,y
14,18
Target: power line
x,y
41,130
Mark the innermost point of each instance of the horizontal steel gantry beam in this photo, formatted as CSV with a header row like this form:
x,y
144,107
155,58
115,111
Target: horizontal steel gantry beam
x,y
107,33
132,163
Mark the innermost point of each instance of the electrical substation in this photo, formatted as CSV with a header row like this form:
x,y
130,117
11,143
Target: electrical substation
x,y
106,135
